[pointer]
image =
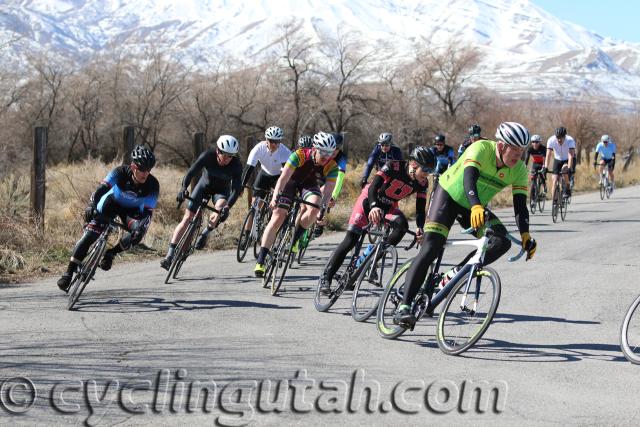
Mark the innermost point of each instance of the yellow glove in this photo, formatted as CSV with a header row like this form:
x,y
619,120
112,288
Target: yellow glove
x,y
529,245
477,216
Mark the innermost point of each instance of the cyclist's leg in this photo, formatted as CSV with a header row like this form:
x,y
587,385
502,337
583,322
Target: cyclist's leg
x,y
600,170
277,219
308,214
262,184
565,175
199,192
611,176
557,167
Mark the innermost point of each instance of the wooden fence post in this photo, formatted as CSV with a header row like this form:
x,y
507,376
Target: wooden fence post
x,y
198,144
128,138
38,177
628,158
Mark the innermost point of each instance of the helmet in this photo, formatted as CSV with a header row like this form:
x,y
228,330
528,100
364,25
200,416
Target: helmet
x,y
536,138
475,130
274,133
227,144
143,157
605,138
339,139
439,138
324,142
385,138
561,132
513,134
423,156
305,141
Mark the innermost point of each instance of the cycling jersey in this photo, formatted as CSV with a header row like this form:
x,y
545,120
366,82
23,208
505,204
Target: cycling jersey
x,y
120,188
561,151
444,158
482,156
537,155
379,158
215,178
606,151
270,162
307,172
395,184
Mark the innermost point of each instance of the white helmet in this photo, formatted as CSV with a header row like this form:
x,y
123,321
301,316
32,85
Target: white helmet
x,y
513,134
274,133
227,144
536,138
605,138
324,142
385,138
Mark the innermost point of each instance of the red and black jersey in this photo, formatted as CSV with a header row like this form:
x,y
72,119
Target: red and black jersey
x,y
537,156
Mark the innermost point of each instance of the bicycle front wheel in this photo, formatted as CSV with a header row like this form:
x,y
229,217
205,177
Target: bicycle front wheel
x,y
244,240
388,305
371,281
542,198
283,259
85,273
564,206
533,196
630,333
468,311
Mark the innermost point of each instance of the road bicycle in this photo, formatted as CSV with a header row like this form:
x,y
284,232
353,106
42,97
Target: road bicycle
x,y
537,194
471,298
560,200
281,255
186,244
258,215
87,268
605,183
630,333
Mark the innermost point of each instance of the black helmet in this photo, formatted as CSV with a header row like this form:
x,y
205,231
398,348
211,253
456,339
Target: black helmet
x,y
475,130
339,139
143,158
439,138
561,132
305,141
423,156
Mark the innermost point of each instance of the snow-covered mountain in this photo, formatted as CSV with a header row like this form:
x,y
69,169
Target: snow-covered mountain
x,y
526,51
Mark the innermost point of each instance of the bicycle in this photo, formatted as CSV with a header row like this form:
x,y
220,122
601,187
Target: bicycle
x,y
560,199
464,303
379,265
305,241
87,268
631,350
259,214
186,244
281,255
346,278
605,183
537,196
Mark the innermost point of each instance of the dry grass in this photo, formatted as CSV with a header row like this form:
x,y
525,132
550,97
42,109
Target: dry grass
x,y
24,253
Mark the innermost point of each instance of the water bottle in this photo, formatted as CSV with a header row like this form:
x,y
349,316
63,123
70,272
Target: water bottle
x,y
446,277
364,255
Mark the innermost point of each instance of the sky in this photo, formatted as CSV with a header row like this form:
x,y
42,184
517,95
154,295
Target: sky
x,y
611,18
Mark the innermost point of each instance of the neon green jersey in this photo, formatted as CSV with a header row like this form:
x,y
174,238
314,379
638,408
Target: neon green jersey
x,y
482,156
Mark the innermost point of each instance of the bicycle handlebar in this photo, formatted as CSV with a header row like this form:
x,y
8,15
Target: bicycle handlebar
x,y
204,203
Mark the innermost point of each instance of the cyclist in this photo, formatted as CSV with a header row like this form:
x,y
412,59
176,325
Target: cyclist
x,y
271,154
536,152
383,152
300,175
607,149
443,154
341,160
562,148
474,135
129,192
464,190
397,180
220,180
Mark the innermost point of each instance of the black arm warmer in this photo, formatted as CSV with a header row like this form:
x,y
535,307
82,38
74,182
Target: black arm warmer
x,y
248,170
522,212
100,191
471,176
375,186
421,204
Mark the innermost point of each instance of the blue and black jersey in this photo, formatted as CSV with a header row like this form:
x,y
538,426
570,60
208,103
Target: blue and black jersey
x,y
378,158
120,187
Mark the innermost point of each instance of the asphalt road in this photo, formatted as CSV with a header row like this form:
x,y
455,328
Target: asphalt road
x,y
137,350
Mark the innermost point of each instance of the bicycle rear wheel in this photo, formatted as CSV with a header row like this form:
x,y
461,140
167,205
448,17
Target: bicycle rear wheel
x,y
630,333
389,302
371,281
85,272
468,311
244,240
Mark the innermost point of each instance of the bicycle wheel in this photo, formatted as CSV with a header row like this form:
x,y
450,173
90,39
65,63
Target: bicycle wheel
x,y
283,259
533,196
371,281
555,206
607,188
85,272
389,303
343,279
542,198
265,217
180,254
630,333
601,188
564,206
271,259
244,240
468,311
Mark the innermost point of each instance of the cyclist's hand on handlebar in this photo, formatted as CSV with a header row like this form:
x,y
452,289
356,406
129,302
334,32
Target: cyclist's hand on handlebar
x,y
529,245
224,214
182,194
89,213
477,216
375,216
419,235
543,171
